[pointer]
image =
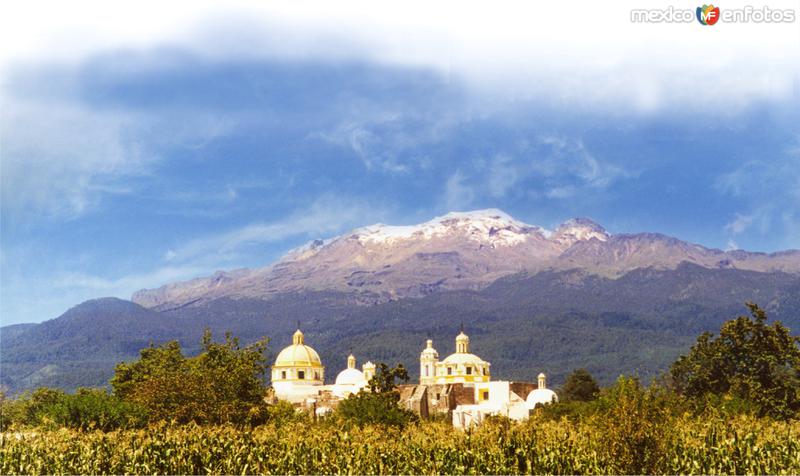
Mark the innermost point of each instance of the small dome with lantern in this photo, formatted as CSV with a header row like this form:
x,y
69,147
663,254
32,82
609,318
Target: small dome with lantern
x,y
350,380
351,375
541,395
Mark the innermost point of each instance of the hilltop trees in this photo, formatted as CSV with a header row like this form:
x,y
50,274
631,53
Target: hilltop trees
x,y
750,360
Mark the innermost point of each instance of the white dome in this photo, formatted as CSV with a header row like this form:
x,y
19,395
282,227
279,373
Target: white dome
x,y
541,396
351,377
461,358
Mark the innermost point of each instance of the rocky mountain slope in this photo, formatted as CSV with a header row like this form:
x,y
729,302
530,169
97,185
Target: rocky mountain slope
x,y
470,250
551,321
532,299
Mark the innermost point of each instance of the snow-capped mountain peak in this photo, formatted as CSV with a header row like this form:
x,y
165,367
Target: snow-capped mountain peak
x,y
459,250
490,226
579,229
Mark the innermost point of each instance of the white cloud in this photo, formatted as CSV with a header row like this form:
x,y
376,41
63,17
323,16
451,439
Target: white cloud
x,y
123,286
34,297
739,224
457,194
769,188
325,216
555,167
503,176
60,157
586,54
376,151
568,163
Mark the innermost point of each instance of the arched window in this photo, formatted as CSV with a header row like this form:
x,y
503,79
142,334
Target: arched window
x,y
427,370
283,374
301,374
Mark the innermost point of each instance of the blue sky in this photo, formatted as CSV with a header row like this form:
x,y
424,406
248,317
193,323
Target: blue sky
x,y
133,161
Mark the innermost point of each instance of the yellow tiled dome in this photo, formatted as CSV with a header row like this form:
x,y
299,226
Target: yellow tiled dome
x,y
298,354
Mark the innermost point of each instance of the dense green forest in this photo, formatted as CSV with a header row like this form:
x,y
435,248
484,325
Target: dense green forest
x,y
551,322
731,404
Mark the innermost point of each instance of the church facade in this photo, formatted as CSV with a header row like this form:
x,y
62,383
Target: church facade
x,y
459,385
459,367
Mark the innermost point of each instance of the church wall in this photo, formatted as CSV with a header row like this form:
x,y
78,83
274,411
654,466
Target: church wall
x,y
523,388
463,395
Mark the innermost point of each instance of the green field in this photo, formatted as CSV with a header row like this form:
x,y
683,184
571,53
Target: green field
x,y
681,445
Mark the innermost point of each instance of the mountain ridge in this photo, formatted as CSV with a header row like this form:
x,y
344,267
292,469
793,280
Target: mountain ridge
x,y
459,250
552,321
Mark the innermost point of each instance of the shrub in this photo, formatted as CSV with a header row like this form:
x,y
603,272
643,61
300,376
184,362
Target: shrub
x,y
366,408
381,404
635,423
86,409
95,409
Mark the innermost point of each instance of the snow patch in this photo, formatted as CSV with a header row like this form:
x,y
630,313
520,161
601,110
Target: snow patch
x,y
490,226
307,250
580,229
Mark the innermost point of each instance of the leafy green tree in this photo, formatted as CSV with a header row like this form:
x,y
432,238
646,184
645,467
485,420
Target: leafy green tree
x,y
381,405
750,360
580,386
222,384
33,408
10,412
95,409
86,409
384,379
154,363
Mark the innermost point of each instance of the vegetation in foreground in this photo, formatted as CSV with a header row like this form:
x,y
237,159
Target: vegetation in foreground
x,y
596,445
729,406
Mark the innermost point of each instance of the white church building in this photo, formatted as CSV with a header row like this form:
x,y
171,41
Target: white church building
x,y
460,384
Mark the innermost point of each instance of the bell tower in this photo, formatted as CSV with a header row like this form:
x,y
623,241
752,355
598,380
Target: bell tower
x,y
427,364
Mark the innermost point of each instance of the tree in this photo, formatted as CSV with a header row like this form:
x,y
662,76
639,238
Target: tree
x,y
154,363
383,380
381,405
750,360
579,387
222,384
95,409
86,409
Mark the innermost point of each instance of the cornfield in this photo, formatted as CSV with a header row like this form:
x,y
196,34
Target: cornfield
x,y
687,445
